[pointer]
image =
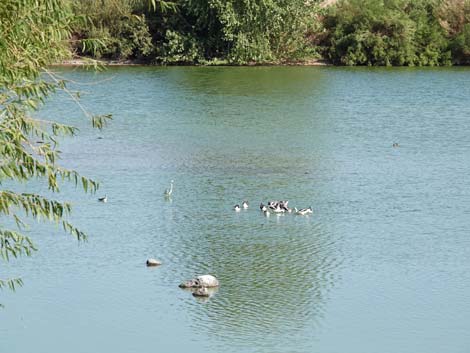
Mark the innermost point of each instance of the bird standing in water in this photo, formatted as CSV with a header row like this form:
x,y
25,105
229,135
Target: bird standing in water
x,y
169,191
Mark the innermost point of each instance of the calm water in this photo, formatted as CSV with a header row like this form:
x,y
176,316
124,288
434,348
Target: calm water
x,y
381,266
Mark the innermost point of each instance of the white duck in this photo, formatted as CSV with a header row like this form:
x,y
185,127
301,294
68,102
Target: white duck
x,y
303,211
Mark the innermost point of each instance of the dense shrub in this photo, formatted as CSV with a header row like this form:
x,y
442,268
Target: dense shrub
x,y
178,48
188,31
454,17
391,32
124,35
346,32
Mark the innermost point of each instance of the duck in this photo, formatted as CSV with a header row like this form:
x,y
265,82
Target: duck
x,y
236,208
262,206
273,204
278,209
266,212
245,204
103,199
303,211
169,191
283,205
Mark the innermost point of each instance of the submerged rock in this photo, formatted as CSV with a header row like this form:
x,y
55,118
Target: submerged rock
x,y
201,292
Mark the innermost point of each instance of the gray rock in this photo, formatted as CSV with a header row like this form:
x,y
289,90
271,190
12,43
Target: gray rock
x,y
204,281
153,262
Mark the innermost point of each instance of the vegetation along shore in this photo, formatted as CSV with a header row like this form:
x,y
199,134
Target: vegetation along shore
x,y
273,32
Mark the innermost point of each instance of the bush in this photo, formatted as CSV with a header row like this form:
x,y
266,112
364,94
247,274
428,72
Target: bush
x,y
394,32
124,35
178,49
460,47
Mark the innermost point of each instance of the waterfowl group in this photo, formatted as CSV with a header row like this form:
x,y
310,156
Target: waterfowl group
x,y
204,286
238,208
280,207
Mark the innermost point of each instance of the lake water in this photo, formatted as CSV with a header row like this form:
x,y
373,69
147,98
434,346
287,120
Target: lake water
x,y
382,264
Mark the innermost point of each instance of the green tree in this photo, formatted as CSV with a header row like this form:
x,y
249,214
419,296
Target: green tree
x,y
115,23
460,46
387,32
198,31
33,34
265,31
454,17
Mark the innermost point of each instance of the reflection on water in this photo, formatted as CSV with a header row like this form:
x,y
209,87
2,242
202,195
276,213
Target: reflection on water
x,y
202,295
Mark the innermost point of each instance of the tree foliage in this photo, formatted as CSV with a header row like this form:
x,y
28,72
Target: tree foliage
x,y
192,31
347,32
33,34
388,32
252,31
112,23
398,32
454,17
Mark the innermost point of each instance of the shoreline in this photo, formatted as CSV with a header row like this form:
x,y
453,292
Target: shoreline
x,y
91,62
84,62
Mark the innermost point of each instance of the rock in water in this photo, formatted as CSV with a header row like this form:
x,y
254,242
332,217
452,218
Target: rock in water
x,y
153,262
201,292
204,281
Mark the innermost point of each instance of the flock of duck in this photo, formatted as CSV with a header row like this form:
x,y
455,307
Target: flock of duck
x,y
201,285
278,207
